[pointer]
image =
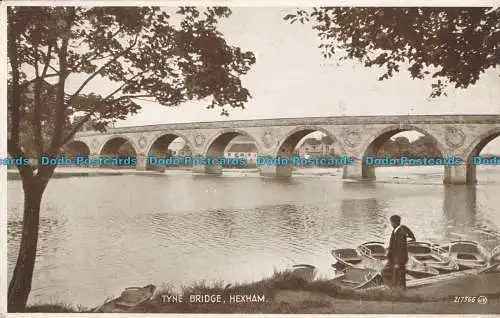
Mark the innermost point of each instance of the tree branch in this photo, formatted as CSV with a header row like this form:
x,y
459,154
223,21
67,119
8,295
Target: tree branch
x,y
100,69
132,96
16,91
26,84
47,61
125,83
77,128
37,118
97,54
60,103
88,115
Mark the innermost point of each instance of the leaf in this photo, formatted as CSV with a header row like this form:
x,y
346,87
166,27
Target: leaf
x,y
462,45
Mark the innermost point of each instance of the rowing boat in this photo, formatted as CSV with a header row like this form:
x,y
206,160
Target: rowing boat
x,y
304,272
354,257
376,251
467,254
495,256
430,284
129,299
358,278
432,256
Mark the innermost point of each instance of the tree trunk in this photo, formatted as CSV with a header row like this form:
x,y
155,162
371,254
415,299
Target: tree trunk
x,y
20,284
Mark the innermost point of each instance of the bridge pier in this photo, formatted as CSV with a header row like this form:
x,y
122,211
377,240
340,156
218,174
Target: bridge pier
x,y
460,174
275,171
358,171
94,156
142,162
207,169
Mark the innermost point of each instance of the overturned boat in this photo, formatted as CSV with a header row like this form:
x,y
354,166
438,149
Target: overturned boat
x,y
304,272
129,298
467,254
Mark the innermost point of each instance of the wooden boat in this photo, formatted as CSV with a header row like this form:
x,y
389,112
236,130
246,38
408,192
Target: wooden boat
x,y
377,251
304,272
467,254
358,278
351,257
420,286
129,298
346,257
430,255
374,250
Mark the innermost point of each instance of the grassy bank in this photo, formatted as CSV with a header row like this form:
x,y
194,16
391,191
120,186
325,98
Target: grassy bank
x,y
282,293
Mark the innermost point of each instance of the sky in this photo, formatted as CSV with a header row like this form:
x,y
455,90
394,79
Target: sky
x,y
291,79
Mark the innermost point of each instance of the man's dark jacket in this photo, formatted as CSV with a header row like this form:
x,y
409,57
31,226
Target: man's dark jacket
x,y
397,252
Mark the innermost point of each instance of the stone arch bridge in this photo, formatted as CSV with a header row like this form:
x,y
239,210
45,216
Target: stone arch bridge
x,y
455,135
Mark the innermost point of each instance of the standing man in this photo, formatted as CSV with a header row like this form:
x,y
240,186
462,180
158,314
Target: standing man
x,y
397,255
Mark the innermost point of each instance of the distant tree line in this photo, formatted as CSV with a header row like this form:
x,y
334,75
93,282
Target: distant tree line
x,y
425,146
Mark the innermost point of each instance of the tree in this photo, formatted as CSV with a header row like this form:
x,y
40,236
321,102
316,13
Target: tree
x,y
46,110
327,140
456,45
146,52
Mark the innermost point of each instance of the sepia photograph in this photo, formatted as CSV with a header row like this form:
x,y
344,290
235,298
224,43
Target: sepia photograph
x,y
285,159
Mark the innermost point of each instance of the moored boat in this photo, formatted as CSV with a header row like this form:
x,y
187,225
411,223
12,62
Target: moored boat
x,y
377,251
374,250
129,298
467,254
346,257
430,255
428,284
304,271
495,257
352,257
358,278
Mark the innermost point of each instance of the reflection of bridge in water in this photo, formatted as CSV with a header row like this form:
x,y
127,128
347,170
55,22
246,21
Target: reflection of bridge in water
x,y
356,137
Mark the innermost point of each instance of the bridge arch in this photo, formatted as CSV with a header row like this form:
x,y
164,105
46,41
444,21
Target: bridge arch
x,y
217,144
376,141
112,146
76,148
474,149
291,139
159,145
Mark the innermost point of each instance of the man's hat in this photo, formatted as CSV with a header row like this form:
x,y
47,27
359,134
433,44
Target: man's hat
x,y
395,218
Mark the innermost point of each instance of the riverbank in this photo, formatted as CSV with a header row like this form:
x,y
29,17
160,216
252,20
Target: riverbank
x,y
282,293
72,172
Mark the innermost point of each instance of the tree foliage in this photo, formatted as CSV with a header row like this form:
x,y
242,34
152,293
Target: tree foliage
x,y
424,146
453,45
169,56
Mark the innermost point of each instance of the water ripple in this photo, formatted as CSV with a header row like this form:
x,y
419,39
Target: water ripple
x,y
179,229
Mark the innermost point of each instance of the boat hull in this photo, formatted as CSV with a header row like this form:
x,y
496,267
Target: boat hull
x,y
467,254
475,281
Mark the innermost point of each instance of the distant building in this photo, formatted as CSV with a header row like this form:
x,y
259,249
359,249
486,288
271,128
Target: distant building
x,y
242,150
312,147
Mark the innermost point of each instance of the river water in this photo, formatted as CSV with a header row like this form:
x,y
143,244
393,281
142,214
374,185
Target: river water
x,y
99,235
